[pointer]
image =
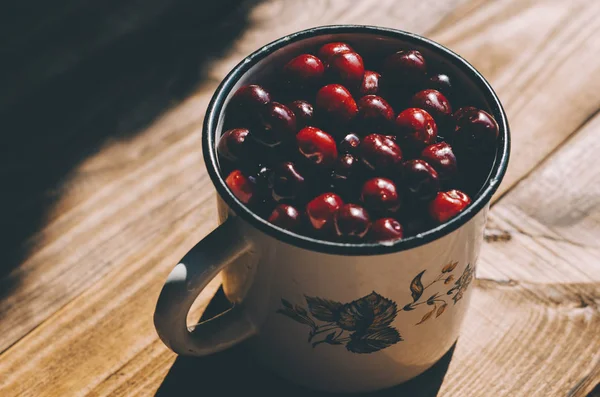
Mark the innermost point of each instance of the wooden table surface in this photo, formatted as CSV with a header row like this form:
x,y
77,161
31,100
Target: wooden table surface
x,y
104,189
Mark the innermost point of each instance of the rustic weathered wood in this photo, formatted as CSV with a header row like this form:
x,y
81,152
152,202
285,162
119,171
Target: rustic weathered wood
x,y
78,318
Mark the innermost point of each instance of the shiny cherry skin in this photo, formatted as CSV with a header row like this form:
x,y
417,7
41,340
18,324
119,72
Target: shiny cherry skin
x,y
405,67
321,209
441,82
335,101
249,101
303,111
347,68
380,195
476,130
380,153
287,181
286,217
370,83
420,180
386,229
278,125
434,103
349,144
317,146
343,176
374,113
416,127
447,205
441,157
304,70
327,51
241,186
234,144
352,222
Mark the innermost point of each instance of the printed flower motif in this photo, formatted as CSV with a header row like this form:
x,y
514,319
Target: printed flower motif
x,y
369,313
463,283
323,309
373,341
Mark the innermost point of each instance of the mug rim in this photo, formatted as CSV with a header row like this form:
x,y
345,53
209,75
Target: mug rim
x,y
216,107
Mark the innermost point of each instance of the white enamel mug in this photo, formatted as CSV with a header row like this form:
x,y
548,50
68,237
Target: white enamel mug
x,y
331,316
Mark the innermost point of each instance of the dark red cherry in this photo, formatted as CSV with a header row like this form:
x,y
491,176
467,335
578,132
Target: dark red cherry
x,y
434,103
380,153
321,209
327,51
476,130
317,146
374,113
241,186
347,68
233,144
303,111
420,180
334,101
416,127
286,217
351,222
380,195
370,83
278,125
349,144
441,82
441,157
446,205
386,229
343,176
304,70
405,67
288,183
248,102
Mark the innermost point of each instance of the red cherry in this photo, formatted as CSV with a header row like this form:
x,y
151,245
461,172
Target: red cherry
x,y
386,229
347,68
374,113
442,83
240,186
303,111
476,130
416,127
380,195
233,144
343,175
446,205
286,217
370,83
249,101
351,221
441,157
288,183
434,103
335,101
279,125
305,70
380,153
420,179
321,209
350,144
405,67
317,146
327,51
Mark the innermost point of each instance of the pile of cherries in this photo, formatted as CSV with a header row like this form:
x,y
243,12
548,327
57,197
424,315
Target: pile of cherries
x,y
352,155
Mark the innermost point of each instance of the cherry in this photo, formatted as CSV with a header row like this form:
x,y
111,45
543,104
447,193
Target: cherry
x,y
349,144
416,127
303,111
347,68
317,146
262,178
327,51
288,183
380,153
386,229
420,179
321,209
441,82
375,113
304,70
241,186
370,83
441,157
476,130
343,175
434,103
351,221
248,101
405,67
279,125
286,217
446,205
336,102
233,144
380,195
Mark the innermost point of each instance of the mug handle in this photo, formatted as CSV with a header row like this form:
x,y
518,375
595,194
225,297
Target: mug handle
x,y
186,281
